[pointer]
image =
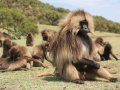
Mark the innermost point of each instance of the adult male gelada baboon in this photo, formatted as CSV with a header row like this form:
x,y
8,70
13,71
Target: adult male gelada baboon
x,y
73,46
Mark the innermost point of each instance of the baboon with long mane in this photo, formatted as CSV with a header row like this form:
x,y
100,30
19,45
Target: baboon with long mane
x,y
30,39
73,46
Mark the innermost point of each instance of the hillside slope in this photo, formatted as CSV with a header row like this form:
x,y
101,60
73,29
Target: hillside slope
x,y
47,14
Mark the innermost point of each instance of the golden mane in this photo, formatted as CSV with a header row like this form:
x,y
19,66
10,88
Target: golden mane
x,y
68,47
67,19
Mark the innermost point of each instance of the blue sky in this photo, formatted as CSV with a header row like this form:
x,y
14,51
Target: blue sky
x,y
110,9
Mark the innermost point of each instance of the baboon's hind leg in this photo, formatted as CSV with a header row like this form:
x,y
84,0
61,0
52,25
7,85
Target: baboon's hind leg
x,y
70,73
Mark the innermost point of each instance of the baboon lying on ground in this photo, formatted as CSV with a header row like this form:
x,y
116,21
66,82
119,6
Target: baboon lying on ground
x,y
19,57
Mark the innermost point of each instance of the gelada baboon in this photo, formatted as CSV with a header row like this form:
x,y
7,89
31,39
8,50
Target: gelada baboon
x,y
104,50
30,39
48,35
73,46
19,57
3,36
38,54
7,44
1,39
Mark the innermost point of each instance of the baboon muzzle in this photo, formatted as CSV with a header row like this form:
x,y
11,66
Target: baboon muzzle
x,y
84,26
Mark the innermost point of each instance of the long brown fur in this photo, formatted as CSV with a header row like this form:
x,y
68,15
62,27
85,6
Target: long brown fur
x,y
38,54
71,46
19,57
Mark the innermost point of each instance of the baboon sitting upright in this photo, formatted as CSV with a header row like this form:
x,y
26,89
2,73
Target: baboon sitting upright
x,y
73,45
30,39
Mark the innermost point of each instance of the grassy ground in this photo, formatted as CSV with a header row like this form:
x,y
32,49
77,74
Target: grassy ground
x,y
23,80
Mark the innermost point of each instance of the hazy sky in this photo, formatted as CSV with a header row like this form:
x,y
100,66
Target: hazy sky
x,y
109,9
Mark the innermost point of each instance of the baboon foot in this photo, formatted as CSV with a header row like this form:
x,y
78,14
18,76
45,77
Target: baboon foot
x,y
114,80
97,65
79,81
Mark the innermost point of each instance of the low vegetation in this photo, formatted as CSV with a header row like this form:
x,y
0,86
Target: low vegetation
x,y
23,80
17,17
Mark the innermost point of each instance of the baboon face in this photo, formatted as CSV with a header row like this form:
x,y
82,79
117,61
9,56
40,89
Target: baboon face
x,y
7,44
47,34
29,35
81,22
100,41
84,26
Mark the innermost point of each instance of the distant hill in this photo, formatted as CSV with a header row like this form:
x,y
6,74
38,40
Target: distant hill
x,y
47,14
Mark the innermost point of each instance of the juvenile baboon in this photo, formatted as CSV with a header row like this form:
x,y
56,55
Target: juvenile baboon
x,y
108,53
7,44
38,54
48,35
30,39
73,46
104,50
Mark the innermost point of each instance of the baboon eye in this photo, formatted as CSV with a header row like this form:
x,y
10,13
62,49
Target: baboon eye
x,y
84,25
84,22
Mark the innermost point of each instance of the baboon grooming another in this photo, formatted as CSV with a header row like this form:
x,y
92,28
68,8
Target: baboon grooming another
x,y
104,50
30,39
38,54
73,46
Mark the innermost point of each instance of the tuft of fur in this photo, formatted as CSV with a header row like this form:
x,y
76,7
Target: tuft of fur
x,y
70,45
68,22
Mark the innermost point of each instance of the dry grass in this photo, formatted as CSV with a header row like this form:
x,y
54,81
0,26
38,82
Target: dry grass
x,y
23,80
